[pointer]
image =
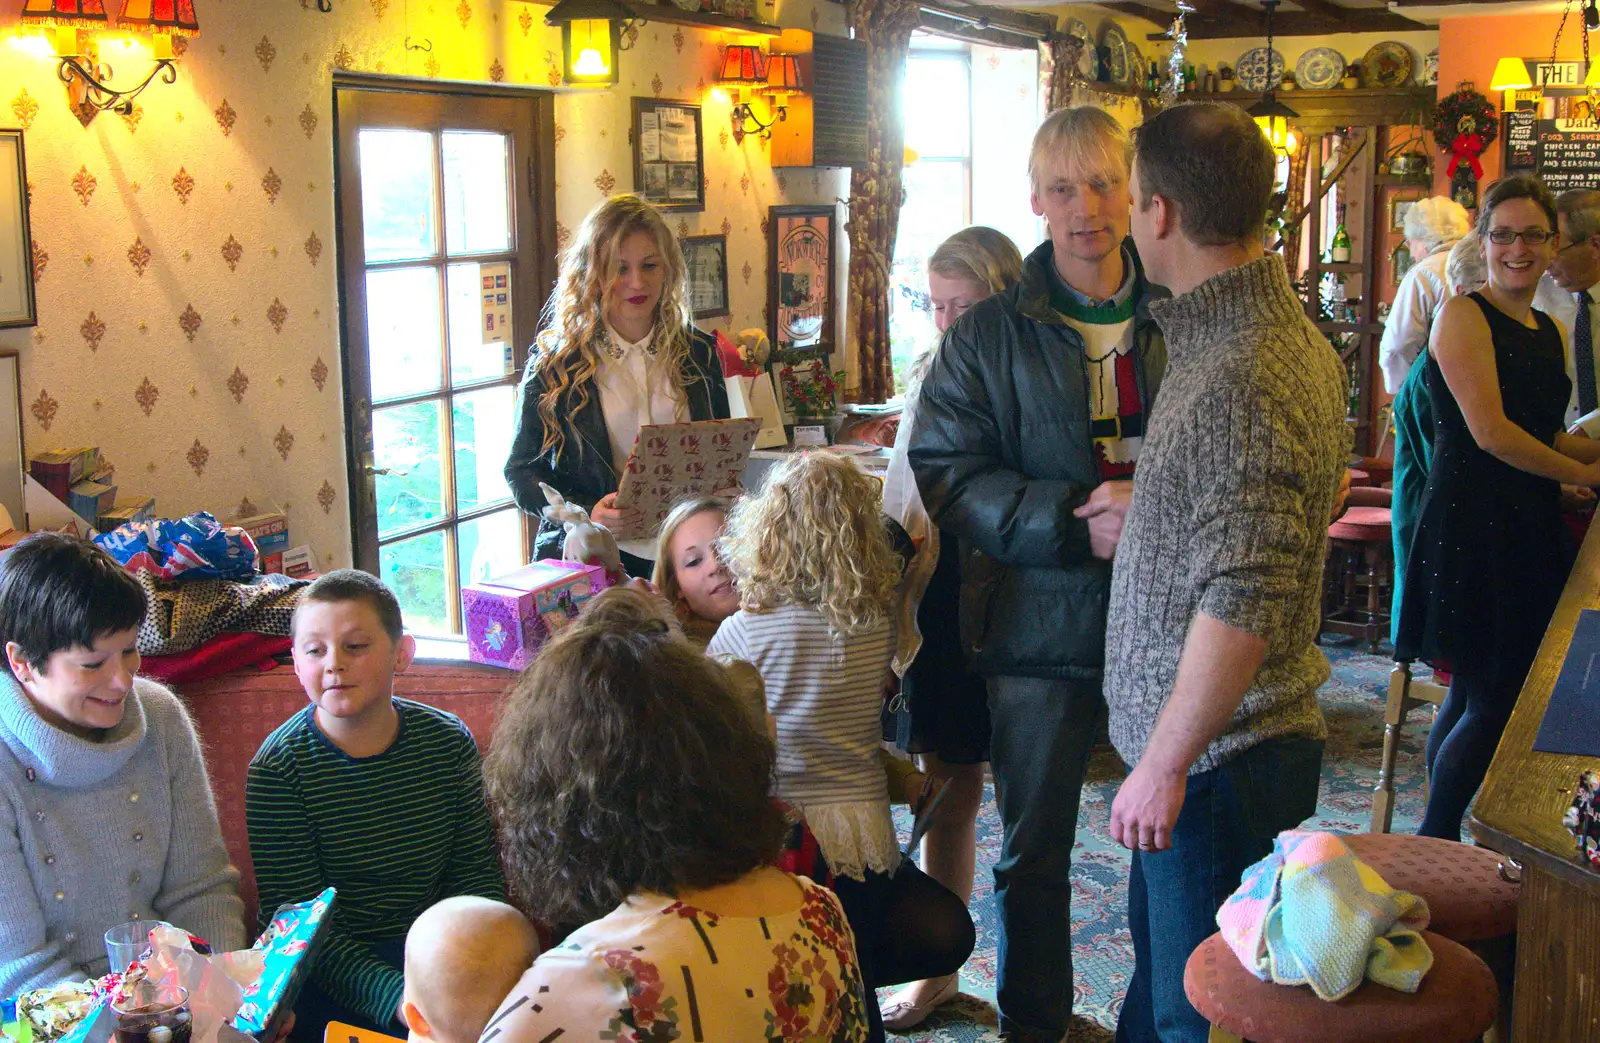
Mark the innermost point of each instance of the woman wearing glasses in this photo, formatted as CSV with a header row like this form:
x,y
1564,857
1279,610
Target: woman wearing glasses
x,y
1490,553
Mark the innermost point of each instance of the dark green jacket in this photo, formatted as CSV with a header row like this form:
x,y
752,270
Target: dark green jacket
x,y
1002,453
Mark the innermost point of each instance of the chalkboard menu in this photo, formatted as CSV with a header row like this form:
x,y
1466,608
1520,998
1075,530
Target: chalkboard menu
x,y
1564,151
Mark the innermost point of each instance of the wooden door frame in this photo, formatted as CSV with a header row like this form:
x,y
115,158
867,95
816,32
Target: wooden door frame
x,y
533,217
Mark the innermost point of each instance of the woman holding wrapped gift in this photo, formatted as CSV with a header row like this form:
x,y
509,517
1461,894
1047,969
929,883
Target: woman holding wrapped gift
x,y
106,815
618,351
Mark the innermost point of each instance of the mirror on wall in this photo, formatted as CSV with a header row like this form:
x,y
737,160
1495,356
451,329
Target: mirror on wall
x,y
13,465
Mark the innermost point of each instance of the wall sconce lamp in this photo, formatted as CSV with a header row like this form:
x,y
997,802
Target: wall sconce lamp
x,y
81,70
591,39
745,68
1511,74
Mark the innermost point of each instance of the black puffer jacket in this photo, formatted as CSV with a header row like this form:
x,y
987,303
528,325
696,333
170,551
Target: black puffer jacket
x,y
1002,453
582,470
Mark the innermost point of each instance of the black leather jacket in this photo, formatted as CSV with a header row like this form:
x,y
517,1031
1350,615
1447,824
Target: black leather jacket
x,y
582,470
1002,453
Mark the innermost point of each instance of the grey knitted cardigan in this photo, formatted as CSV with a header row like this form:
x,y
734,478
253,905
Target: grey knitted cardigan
x,y
1237,477
93,834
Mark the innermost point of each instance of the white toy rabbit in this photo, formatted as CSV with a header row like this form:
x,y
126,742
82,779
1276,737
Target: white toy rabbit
x,y
587,541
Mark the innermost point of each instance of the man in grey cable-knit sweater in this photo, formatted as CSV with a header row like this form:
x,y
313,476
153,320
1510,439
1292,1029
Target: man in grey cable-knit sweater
x,y
1211,663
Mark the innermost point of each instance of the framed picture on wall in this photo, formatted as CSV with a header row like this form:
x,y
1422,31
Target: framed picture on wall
x,y
1399,207
17,305
706,258
669,167
1400,262
800,264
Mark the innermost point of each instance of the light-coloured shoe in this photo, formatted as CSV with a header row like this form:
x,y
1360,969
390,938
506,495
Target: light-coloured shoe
x,y
901,1015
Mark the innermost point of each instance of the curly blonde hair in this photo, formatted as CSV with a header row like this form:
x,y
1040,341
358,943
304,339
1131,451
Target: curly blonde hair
x,y
567,350
814,536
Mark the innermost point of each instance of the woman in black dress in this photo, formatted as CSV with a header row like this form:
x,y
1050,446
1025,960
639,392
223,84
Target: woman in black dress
x,y
1490,554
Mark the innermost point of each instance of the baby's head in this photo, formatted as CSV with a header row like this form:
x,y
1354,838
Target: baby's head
x,y
463,955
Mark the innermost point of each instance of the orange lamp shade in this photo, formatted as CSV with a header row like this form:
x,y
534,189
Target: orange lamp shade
x,y
70,14
783,75
744,64
160,16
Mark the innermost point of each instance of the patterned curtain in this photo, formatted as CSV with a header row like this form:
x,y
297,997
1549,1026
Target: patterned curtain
x,y
1296,200
876,189
1064,52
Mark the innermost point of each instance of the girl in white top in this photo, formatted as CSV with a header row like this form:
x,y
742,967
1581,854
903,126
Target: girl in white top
x,y
816,577
618,351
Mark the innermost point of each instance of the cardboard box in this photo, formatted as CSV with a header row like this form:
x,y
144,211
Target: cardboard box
x,y
299,562
270,531
127,509
289,946
272,563
89,500
508,618
58,470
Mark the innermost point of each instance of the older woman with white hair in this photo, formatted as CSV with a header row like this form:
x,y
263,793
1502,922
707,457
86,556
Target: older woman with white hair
x,y
1432,227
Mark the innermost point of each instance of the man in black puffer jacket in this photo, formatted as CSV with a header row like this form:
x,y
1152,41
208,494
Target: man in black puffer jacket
x,y
1027,430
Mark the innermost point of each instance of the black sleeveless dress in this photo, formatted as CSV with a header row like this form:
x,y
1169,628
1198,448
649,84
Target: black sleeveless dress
x,y
1490,554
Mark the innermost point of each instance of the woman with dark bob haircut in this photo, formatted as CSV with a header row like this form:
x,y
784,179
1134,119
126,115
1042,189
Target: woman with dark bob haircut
x,y
1490,554
631,786
106,815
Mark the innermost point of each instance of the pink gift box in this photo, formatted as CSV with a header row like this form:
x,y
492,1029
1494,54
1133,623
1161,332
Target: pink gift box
x,y
509,617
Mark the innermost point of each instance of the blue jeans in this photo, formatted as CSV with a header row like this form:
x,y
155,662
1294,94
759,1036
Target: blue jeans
x,y
1230,817
1043,731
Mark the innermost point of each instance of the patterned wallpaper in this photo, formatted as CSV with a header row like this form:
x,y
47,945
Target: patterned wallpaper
x,y
186,254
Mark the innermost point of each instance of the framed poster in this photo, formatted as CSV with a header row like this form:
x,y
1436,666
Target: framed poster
x,y
669,167
800,266
1399,207
17,306
1400,262
706,259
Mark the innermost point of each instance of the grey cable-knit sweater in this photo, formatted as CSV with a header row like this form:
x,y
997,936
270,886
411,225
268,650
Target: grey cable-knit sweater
x,y
1237,477
93,834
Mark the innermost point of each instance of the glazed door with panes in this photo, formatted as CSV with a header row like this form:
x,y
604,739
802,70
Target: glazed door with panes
x,y
446,205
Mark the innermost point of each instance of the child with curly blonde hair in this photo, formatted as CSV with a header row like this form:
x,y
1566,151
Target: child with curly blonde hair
x,y
817,576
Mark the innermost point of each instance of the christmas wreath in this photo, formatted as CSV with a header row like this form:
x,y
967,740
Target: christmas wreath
x,y
1464,125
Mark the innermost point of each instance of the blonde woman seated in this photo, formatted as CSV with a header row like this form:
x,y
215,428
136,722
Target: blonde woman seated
x,y
689,572
632,792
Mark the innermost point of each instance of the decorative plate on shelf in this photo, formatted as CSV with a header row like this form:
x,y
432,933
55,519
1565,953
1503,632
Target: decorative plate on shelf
x,y
1319,69
1256,71
1088,63
1138,65
1388,64
1115,41
687,5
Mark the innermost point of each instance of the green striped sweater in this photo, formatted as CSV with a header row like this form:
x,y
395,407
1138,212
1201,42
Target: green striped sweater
x,y
394,833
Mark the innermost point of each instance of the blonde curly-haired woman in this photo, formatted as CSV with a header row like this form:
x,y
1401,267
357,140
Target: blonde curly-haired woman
x,y
618,351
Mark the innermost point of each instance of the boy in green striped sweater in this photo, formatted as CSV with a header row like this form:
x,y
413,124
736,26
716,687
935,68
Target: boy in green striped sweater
x,y
379,797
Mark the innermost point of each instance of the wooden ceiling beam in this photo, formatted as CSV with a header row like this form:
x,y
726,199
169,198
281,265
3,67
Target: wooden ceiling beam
x,y
1329,14
1298,23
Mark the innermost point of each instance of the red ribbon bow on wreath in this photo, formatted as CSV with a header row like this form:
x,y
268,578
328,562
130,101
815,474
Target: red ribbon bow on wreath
x,y
1466,147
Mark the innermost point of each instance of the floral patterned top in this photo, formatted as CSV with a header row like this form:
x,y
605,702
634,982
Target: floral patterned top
x,y
655,970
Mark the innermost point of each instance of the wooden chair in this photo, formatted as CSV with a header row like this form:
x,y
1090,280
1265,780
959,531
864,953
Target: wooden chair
x,y
1405,695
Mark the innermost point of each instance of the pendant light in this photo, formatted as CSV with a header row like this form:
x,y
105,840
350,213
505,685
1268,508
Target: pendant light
x,y
1272,115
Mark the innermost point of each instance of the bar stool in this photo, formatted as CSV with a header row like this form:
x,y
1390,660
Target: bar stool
x,y
1469,898
1405,694
1360,569
1455,1004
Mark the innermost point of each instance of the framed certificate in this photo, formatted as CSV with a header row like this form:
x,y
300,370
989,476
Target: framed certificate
x,y
17,304
706,258
800,255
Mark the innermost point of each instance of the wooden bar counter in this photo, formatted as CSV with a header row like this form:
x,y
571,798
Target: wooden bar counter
x,y
1518,813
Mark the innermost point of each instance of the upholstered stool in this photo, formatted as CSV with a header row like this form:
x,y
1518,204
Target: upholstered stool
x,y
1358,477
1455,1004
1406,693
1360,570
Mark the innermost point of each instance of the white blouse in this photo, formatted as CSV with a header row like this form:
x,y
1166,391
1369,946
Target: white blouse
x,y
635,390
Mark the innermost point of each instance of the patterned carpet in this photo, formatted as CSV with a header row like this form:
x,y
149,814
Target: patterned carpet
x,y
1352,701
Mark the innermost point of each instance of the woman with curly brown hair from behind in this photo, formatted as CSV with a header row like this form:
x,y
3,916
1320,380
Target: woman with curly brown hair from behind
x,y
632,791
816,577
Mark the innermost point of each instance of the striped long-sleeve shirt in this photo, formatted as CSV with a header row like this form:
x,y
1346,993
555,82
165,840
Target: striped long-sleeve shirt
x,y
394,833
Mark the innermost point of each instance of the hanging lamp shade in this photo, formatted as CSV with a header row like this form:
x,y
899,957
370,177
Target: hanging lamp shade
x,y
1592,79
744,65
1510,74
591,38
160,16
71,14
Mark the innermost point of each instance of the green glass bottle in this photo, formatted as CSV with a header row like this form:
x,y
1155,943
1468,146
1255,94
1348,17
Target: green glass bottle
x,y
1339,251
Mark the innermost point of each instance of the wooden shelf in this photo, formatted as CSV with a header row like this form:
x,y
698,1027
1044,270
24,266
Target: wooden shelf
x,y
699,19
1404,180
1322,112
1341,268
1107,87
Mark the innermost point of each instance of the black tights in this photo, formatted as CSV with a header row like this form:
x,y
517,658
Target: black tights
x,y
1465,733
907,927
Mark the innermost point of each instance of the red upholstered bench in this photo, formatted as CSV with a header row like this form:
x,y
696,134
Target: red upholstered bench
x,y
236,711
1455,1004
